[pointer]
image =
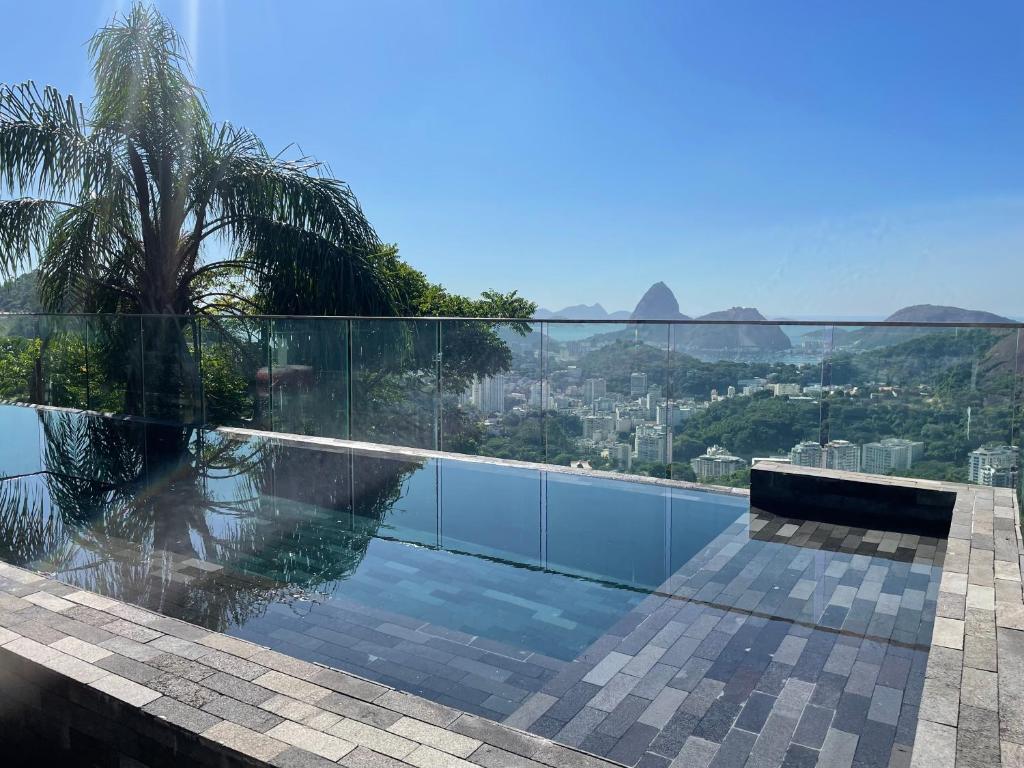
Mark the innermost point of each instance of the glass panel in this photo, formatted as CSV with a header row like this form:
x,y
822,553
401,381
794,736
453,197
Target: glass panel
x,y
20,365
114,363
309,376
607,529
395,395
926,402
171,378
745,392
491,510
64,358
236,372
481,366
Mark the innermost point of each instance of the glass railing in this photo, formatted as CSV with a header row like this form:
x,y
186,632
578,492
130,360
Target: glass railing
x,y
697,401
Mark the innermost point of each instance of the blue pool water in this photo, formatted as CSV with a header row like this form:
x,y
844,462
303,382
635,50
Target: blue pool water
x,y
336,555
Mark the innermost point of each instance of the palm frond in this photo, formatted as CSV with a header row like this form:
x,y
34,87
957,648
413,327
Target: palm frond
x,y
24,229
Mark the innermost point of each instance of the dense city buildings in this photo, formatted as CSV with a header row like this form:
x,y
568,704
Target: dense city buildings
x,y
634,429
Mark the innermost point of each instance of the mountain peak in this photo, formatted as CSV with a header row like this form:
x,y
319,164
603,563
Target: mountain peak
x,y
935,313
658,303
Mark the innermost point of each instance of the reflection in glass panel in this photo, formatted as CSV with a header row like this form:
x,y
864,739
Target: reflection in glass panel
x,y
20,345
113,345
64,361
170,377
236,372
309,376
491,510
395,386
486,380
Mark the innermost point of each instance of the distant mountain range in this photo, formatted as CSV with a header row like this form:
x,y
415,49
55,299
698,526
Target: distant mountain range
x,y
581,312
659,303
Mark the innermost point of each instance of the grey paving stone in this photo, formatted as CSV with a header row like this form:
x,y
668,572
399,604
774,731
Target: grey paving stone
x,y
237,688
663,707
813,726
247,715
735,750
361,757
838,749
885,705
755,712
977,742
492,757
798,756
580,726
633,744
696,753
491,733
193,694
357,709
125,667
623,716
421,709
180,714
293,757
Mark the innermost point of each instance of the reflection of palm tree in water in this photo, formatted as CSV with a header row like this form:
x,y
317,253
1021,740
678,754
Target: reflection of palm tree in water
x,y
146,514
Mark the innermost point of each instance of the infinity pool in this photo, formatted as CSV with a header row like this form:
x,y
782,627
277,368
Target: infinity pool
x,y
319,552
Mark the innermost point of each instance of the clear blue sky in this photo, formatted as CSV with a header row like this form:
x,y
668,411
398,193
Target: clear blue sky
x,y
842,158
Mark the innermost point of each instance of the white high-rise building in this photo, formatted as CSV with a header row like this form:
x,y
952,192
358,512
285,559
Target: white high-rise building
x,y
786,389
593,389
489,394
836,454
842,454
540,396
623,455
807,454
598,427
996,466
883,457
653,443
637,384
717,462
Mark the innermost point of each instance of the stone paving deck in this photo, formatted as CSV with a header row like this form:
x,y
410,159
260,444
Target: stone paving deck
x,y
822,652
254,701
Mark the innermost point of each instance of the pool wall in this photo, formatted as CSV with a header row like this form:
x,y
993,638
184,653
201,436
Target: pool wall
x,y
860,501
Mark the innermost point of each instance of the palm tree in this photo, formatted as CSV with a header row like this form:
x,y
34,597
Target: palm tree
x,y
117,203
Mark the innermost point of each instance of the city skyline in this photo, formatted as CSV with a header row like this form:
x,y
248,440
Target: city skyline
x,y
834,160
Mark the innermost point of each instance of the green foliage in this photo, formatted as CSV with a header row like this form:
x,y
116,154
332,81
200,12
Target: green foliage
x,y
18,357
21,294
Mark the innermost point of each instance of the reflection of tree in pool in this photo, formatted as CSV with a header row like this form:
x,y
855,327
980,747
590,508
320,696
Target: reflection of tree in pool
x,y
121,505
